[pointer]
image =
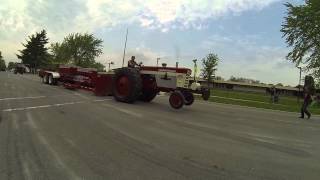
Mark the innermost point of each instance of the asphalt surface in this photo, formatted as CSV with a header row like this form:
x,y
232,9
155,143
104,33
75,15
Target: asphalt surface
x,y
48,132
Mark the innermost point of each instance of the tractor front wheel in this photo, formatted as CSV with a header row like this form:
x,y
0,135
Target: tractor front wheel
x,y
176,100
189,98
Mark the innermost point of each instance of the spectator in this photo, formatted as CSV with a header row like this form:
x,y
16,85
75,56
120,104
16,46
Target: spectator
x,y
306,103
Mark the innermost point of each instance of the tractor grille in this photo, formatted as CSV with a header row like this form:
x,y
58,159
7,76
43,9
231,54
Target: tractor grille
x,y
186,82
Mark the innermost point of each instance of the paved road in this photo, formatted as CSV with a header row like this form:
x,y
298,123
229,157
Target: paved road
x,y
48,132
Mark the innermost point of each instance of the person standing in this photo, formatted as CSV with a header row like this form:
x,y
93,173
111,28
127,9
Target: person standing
x,y
306,102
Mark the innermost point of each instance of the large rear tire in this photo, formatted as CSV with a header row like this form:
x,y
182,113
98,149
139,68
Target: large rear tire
x,y
148,95
127,85
149,88
176,100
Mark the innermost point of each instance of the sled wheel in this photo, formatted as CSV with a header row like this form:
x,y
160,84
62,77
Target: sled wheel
x,y
50,80
45,79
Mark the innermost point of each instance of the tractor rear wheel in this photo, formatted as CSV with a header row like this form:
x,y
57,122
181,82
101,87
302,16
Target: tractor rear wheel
x,y
189,98
148,95
149,88
126,85
176,100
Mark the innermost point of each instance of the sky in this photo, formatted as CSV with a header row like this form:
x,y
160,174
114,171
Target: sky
x,y
245,34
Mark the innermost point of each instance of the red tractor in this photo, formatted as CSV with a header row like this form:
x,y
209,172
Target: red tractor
x,y
131,84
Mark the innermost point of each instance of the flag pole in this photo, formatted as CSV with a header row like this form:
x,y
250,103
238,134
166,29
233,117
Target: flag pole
x,y
125,46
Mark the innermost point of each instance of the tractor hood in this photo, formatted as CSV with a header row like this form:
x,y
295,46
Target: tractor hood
x,y
167,69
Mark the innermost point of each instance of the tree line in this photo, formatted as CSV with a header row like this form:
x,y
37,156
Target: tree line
x,y
80,50
76,49
253,81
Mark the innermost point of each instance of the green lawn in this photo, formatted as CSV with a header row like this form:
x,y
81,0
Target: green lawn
x,y
259,101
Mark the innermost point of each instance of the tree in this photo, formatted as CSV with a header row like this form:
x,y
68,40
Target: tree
x,y
100,67
58,54
11,65
244,80
2,63
301,29
219,78
209,64
279,84
35,52
78,49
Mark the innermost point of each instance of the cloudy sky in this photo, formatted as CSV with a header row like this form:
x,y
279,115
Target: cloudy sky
x,y
244,33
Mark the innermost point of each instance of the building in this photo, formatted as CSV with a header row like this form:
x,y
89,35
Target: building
x,y
253,88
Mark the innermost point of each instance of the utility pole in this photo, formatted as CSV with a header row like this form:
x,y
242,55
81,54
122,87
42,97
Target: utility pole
x,y
195,68
158,59
125,47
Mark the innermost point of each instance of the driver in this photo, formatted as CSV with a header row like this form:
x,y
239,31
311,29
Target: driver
x,y
132,63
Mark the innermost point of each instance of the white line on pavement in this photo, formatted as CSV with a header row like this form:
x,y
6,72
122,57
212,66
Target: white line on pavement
x,y
101,100
19,98
81,95
34,97
43,106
